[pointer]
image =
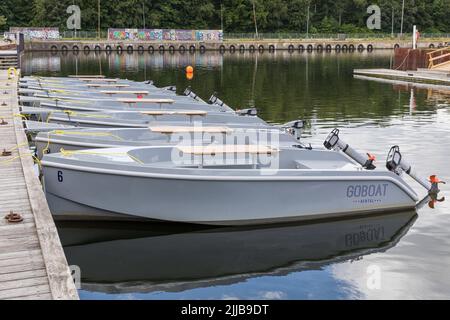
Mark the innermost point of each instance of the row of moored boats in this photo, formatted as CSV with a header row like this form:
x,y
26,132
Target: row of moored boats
x,y
121,149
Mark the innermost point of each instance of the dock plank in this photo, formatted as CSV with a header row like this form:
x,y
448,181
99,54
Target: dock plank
x,y
23,275
32,262
18,254
26,291
23,283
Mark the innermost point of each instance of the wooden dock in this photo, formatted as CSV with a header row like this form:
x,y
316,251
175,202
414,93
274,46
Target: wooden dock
x,y
32,261
422,75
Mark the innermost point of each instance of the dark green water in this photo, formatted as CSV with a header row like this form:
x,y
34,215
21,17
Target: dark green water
x,y
410,251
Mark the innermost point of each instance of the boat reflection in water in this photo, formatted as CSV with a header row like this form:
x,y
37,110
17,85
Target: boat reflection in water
x,y
129,257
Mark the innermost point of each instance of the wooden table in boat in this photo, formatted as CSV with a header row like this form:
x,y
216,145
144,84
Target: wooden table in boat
x,y
208,153
135,92
131,101
97,85
96,76
97,80
169,130
178,129
215,149
189,113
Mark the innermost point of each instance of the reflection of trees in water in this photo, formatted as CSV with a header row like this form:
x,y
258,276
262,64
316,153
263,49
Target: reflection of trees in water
x,y
283,85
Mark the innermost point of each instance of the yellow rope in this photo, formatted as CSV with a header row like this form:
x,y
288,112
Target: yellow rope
x,y
63,91
9,160
36,160
68,153
81,133
87,115
63,132
47,146
18,146
68,99
18,115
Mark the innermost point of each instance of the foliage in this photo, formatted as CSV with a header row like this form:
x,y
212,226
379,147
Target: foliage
x,y
326,16
2,21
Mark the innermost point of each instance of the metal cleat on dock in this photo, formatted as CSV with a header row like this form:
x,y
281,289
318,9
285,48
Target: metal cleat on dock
x,y
6,153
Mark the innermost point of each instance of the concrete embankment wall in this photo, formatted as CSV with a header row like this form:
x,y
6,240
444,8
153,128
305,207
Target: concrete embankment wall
x,y
228,45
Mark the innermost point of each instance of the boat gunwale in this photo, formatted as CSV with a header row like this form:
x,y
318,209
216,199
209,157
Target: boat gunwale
x,y
261,178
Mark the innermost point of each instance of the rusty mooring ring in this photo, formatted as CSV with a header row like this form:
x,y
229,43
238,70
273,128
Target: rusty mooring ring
x,y
13,217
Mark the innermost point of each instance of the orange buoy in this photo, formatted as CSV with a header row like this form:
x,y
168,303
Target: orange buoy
x,y
189,69
189,75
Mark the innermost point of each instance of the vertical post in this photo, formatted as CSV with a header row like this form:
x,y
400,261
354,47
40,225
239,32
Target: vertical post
x,y
307,21
403,13
254,19
98,22
143,12
74,33
414,37
20,49
221,16
392,27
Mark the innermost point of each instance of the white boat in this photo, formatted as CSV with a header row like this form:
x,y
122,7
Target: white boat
x,y
228,184
51,141
143,118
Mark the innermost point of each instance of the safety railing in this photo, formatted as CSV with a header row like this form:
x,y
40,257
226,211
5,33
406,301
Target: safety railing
x,y
333,36
93,34
438,57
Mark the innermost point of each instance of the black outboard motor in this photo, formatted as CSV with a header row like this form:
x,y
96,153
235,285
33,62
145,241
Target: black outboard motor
x,y
247,112
170,88
188,92
397,164
216,101
295,128
334,142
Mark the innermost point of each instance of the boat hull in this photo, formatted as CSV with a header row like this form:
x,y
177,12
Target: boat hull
x,y
216,201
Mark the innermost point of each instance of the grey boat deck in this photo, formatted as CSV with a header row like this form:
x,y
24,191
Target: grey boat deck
x,y
32,261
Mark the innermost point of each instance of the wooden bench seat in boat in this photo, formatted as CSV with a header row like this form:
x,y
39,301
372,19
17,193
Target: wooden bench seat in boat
x,y
137,100
98,85
179,129
95,76
169,112
222,149
137,92
97,79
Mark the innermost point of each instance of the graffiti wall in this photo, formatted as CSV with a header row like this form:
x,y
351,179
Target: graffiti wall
x,y
37,33
209,35
164,34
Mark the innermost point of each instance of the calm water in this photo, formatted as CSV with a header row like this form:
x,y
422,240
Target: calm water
x,y
328,260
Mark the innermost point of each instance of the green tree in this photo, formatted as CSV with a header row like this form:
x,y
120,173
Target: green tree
x,y
271,15
2,21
